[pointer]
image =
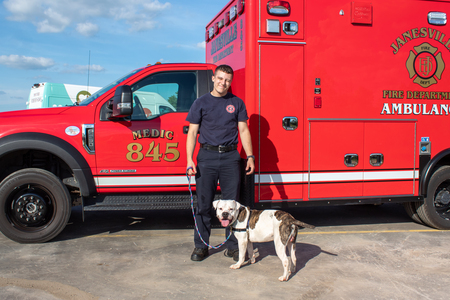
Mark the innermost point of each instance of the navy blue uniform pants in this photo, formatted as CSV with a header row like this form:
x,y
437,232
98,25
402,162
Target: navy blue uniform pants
x,y
214,167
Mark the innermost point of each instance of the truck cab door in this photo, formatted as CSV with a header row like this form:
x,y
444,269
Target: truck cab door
x,y
146,151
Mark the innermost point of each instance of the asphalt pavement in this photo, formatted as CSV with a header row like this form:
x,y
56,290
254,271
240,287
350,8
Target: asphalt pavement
x,y
356,252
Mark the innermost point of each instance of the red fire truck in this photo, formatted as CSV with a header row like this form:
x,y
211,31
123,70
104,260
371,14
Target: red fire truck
x,y
347,105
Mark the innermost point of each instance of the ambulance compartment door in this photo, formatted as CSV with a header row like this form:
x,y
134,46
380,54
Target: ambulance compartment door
x,y
280,176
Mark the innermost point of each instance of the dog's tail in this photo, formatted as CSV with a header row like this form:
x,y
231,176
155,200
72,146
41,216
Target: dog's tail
x,y
302,224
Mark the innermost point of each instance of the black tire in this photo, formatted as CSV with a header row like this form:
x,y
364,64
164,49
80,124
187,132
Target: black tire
x,y
411,210
435,210
34,206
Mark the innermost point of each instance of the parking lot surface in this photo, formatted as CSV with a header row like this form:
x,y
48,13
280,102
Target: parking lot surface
x,y
356,252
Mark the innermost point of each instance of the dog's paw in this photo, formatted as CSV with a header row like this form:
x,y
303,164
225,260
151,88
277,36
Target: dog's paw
x,y
252,260
235,266
283,278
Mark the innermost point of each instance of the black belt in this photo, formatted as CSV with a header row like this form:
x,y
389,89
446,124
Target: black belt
x,y
220,149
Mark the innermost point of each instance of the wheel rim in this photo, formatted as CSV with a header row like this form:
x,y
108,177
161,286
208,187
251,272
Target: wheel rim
x,y
30,207
442,200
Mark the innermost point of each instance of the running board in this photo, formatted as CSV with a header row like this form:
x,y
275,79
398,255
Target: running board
x,y
142,202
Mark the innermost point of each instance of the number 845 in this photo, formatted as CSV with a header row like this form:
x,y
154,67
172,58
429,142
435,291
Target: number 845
x,y
135,153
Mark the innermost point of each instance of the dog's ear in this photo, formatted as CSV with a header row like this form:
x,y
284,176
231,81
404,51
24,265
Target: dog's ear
x,y
215,203
237,205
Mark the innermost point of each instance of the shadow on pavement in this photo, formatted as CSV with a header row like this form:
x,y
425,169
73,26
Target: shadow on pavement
x,y
97,222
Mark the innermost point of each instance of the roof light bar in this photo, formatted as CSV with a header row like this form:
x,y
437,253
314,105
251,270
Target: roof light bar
x,y
278,8
233,13
227,18
216,28
240,6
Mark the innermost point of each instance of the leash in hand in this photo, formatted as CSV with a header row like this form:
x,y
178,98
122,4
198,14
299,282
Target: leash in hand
x,y
193,214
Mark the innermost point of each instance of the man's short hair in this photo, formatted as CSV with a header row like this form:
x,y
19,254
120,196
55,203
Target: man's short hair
x,y
224,68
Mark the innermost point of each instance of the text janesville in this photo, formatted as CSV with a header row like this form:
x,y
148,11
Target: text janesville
x,y
417,33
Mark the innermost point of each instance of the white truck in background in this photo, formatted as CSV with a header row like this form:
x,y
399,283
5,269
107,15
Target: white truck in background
x,y
48,94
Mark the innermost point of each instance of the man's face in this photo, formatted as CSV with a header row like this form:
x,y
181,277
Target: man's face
x,y
222,82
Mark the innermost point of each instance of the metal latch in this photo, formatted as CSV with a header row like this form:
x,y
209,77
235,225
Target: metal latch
x,y
290,123
351,160
290,28
376,159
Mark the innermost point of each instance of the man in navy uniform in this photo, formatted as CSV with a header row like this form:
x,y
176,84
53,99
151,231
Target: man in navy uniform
x,y
220,117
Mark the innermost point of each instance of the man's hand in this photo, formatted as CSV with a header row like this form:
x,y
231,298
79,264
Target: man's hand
x,y
191,140
250,166
191,170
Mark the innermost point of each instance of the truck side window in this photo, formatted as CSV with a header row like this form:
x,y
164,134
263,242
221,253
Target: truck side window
x,y
163,93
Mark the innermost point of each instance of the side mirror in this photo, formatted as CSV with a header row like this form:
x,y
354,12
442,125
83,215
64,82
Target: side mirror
x,y
122,102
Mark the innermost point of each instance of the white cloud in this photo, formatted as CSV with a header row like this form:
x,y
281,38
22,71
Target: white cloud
x,y
26,62
201,45
56,15
82,69
87,29
156,6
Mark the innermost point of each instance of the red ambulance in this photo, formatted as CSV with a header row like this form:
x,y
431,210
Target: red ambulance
x,y
348,100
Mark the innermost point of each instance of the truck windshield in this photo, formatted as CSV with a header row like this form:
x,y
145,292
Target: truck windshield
x,y
107,88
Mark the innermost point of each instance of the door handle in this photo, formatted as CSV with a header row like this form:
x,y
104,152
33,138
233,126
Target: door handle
x,y
376,159
290,123
351,160
185,129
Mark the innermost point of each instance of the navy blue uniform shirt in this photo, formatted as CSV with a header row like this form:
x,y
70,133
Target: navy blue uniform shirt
x,y
218,118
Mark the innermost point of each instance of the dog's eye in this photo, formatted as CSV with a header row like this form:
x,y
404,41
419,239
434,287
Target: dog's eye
x,y
231,209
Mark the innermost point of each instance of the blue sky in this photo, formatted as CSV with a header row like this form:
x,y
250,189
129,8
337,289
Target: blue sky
x,y
50,40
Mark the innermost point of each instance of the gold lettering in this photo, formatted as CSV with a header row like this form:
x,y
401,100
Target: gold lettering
x,y
137,135
395,48
155,132
423,32
169,135
400,42
415,32
406,35
441,38
431,33
146,133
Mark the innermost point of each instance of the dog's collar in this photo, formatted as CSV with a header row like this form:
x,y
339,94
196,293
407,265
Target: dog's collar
x,y
241,229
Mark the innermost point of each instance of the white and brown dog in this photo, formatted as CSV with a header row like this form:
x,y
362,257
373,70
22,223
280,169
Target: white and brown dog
x,y
258,226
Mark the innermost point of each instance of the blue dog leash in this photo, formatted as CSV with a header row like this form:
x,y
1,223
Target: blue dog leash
x,y
193,214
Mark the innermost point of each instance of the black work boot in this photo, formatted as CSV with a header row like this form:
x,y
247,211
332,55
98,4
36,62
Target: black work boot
x,y
234,253
199,254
